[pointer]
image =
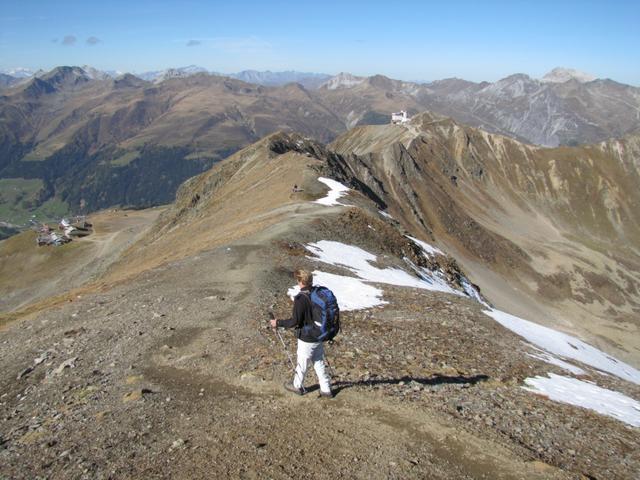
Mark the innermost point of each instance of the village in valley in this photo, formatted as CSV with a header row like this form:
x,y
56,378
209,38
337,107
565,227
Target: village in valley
x,y
68,229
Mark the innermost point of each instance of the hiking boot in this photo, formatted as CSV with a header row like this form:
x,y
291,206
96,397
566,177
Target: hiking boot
x,y
328,394
290,387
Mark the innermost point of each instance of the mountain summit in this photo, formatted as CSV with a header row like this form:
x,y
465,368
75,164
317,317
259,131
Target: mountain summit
x,y
342,80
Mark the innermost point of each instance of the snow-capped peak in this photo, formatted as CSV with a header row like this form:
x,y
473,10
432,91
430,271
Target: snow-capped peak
x,y
343,80
18,72
192,69
181,72
561,75
94,73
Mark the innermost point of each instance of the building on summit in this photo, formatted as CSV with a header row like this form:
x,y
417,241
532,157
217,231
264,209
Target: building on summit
x,y
399,117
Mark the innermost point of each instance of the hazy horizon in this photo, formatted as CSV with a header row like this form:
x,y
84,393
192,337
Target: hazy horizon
x,y
217,72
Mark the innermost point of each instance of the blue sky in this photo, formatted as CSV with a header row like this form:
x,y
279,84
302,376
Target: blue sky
x,y
412,40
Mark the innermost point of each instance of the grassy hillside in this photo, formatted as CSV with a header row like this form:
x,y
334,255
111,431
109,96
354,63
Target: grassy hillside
x,y
24,199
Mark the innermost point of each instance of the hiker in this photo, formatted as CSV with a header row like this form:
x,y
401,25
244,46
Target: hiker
x,y
310,348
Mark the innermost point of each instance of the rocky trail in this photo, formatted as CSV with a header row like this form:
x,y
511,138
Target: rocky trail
x,y
177,376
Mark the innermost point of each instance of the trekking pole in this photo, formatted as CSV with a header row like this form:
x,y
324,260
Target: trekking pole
x,y
326,359
286,351
284,345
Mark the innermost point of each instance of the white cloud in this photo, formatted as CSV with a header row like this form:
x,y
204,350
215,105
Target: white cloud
x,y
69,40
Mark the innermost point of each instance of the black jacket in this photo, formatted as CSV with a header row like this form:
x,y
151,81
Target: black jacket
x,y
300,316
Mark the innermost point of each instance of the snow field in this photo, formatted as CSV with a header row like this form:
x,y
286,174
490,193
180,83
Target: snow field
x,y
358,261
566,346
548,358
587,395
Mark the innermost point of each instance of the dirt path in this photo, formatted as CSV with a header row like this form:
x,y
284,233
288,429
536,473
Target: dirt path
x,y
174,377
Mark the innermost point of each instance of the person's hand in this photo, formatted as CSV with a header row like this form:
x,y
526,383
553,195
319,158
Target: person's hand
x,y
273,322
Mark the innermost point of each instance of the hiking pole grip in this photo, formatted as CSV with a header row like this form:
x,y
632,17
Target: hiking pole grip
x,y
272,317
286,350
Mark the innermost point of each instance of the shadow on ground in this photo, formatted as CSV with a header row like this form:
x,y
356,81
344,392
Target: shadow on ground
x,y
337,387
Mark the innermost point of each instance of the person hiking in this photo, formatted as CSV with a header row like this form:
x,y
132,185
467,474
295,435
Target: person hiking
x,y
310,348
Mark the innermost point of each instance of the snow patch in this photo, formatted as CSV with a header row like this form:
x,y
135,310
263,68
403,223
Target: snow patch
x,y
430,250
351,293
566,346
358,261
618,148
435,278
548,358
472,292
354,293
587,395
336,191
385,214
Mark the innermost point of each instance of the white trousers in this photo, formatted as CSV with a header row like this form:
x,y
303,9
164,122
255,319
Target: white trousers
x,y
313,352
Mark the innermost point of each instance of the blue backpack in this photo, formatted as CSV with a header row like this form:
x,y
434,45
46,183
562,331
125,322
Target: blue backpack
x,y
325,314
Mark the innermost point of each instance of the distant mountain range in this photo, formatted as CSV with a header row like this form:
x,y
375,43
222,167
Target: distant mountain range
x,y
267,78
306,79
18,72
564,107
548,112
76,133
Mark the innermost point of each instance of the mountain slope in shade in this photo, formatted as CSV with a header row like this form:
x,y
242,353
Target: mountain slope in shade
x,y
7,80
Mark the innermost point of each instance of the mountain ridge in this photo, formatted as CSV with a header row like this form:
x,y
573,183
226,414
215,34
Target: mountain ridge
x,y
114,127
